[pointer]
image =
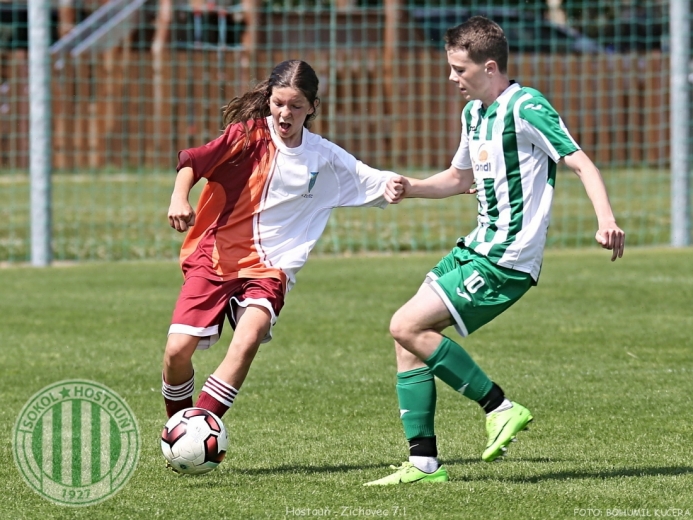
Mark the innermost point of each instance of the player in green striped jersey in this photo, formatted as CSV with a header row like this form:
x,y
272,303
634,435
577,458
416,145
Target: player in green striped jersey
x,y
512,139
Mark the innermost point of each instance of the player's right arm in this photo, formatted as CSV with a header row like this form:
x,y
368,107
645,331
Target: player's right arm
x,y
181,215
447,183
195,163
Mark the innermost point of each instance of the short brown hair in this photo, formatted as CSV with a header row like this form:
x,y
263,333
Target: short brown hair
x,y
483,39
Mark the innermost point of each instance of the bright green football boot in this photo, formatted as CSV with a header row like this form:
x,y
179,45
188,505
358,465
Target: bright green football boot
x,y
407,473
502,427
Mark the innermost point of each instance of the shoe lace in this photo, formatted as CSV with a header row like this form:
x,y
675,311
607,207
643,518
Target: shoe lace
x,y
404,467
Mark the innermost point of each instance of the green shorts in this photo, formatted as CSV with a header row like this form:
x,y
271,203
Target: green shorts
x,y
474,289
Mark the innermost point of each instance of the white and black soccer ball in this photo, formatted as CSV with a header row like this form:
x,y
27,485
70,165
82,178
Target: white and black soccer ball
x,y
194,441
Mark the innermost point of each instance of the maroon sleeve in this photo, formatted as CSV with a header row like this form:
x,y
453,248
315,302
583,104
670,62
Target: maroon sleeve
x,y
204,159
183,160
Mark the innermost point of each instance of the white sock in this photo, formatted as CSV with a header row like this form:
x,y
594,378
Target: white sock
x,y
425,464
178,392
505,405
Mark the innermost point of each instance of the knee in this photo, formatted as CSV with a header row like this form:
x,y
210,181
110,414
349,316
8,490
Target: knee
x,y
179,350
252,327
245,346
400,328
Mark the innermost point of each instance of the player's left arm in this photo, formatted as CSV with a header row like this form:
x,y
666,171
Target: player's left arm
x,y
542,125
609,235
362,185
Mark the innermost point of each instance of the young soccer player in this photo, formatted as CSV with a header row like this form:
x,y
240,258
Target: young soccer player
x,y
271,185
511,140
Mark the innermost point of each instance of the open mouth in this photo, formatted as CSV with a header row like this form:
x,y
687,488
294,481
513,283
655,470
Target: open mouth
x,y
285,126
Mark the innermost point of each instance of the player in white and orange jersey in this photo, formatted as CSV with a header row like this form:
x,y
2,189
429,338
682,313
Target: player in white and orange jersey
x,y
271,185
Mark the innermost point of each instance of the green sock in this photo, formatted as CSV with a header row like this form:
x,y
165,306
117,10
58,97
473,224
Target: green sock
x,y
416,392
452,365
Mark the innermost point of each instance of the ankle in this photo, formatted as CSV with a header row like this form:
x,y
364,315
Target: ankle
x,y
425,464
505,405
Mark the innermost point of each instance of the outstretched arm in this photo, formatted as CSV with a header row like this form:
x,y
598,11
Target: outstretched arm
x,y
441,185
181,215
394,189
609,235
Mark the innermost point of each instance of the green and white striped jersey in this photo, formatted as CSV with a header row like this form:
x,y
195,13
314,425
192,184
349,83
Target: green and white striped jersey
x,y
513,147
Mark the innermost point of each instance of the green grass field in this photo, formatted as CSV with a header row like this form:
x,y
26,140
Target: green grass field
x,y
115,215
599,351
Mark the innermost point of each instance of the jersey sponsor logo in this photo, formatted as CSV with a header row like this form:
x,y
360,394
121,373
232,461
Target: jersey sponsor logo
x,y
532,106
482,163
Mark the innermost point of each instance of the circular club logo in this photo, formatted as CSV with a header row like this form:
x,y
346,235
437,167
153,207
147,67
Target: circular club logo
x,y
76,443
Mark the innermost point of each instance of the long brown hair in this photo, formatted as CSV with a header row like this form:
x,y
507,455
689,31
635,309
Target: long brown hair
x,y
254,104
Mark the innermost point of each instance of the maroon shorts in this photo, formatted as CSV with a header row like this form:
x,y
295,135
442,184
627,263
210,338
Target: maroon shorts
x,y
203,304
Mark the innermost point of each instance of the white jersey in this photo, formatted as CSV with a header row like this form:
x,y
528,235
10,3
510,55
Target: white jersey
x,y
513,147
305,185
265,205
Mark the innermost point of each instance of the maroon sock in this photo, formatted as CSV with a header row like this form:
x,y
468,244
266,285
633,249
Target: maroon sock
x,y
177,397
173,407
206,401
216,396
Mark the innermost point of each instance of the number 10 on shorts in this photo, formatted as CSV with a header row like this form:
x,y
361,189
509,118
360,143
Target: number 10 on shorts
x,y
472,284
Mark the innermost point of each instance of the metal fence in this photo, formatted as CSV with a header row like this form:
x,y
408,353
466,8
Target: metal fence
x,y
131,82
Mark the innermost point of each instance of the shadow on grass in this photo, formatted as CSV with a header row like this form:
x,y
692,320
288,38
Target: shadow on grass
x,y
596,474
305,469
538,460
288,469
338,468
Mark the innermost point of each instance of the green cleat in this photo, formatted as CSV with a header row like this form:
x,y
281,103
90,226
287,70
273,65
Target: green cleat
x,y
407,473
502,427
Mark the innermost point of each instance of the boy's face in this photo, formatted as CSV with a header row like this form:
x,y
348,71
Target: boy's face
x,y
289,108
472,78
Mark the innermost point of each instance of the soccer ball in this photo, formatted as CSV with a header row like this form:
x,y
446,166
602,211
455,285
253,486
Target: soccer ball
x,y
194,441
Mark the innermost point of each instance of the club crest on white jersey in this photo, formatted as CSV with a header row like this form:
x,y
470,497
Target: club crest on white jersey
x,y
313,178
